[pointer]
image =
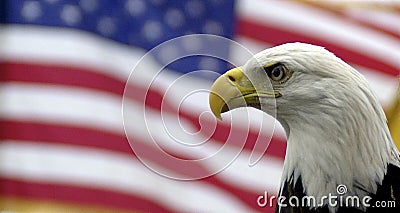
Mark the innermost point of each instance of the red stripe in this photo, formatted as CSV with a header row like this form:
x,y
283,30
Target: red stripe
x,y
63,134
343,12
73,136
57,74
86,195
93,138
276,36
76,76
80,195
219,133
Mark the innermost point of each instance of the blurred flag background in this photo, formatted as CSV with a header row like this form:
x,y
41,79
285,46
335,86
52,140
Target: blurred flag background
x,y
63,68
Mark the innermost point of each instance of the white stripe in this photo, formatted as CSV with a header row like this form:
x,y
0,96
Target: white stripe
x,y
366,4
111,171
81,49
253,45
80,108
67,47
75,48
165,130
61,45
382,84
54,104
306,20
384,19
93,109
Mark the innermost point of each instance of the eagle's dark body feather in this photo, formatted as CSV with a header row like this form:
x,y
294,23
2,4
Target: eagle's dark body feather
x,y
389,190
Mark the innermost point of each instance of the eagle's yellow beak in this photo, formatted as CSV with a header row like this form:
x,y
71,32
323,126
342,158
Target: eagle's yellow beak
x,y
227,93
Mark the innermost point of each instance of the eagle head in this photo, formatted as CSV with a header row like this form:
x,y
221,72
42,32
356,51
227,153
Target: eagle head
x,y
294,82
336,128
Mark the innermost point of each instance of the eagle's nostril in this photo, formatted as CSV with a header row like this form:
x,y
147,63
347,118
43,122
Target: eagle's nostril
x,y
231,78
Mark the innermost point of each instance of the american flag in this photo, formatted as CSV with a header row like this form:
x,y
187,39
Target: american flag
x,y
90,122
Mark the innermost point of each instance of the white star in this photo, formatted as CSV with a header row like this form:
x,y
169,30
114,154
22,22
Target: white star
x,y
106,25
174,18
157,2
169,53
89,5
71,14
135,7
192,43
51,1
209,63
194,8
152,30
213,27
31,10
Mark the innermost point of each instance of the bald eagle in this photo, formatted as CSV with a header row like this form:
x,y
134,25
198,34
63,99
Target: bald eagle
x,y
337,131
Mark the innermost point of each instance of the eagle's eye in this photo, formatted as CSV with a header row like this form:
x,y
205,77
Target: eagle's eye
x,y
276,73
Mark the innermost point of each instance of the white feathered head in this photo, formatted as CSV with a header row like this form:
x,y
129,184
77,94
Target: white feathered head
x,y
337,132
297,81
